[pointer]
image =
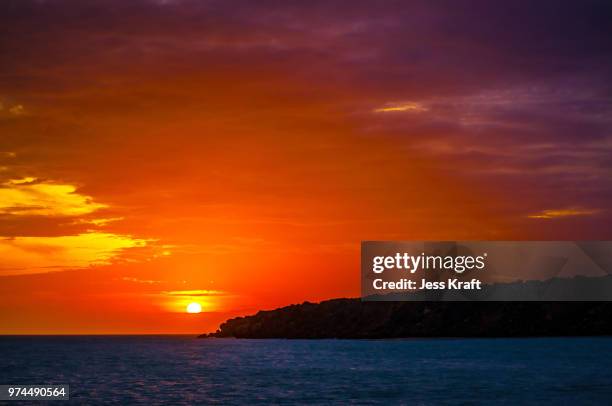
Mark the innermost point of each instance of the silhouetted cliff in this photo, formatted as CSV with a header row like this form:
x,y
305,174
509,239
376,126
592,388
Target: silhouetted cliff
x,y
352,318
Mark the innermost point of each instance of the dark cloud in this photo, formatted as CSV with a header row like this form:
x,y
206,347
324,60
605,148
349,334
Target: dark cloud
x,y
416,46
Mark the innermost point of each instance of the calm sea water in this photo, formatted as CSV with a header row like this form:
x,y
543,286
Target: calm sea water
x,y
183,370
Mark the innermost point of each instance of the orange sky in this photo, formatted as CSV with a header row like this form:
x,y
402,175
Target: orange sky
x,y
236,158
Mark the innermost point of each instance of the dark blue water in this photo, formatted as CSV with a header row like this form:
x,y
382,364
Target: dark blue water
x,y
183,370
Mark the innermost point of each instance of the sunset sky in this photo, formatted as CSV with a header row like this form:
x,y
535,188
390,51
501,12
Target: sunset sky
x,y
234,154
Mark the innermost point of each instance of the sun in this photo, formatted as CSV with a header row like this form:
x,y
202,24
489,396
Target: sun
x,y
194,307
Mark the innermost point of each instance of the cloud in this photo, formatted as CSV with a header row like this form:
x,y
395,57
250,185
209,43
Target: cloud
x,y
43,230
140,281
194,293
489,93
559,213
99,222
17,110
27,196
404,107
14,110
24,255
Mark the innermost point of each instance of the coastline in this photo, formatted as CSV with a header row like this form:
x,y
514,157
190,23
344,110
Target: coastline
x,y
356,319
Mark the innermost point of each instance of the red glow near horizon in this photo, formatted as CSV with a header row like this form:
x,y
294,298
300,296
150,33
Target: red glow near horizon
x,y
180,156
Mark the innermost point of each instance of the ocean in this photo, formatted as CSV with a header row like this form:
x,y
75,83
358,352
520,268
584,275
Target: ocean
x,y
181,370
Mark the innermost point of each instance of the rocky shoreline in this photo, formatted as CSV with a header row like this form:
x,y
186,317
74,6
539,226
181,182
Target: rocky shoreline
x,y
355,319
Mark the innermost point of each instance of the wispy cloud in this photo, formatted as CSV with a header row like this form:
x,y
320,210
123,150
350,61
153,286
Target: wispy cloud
x,y
193,293
402,107
141,281
98,222
23,255
17,110
12,110
559,213
28,196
